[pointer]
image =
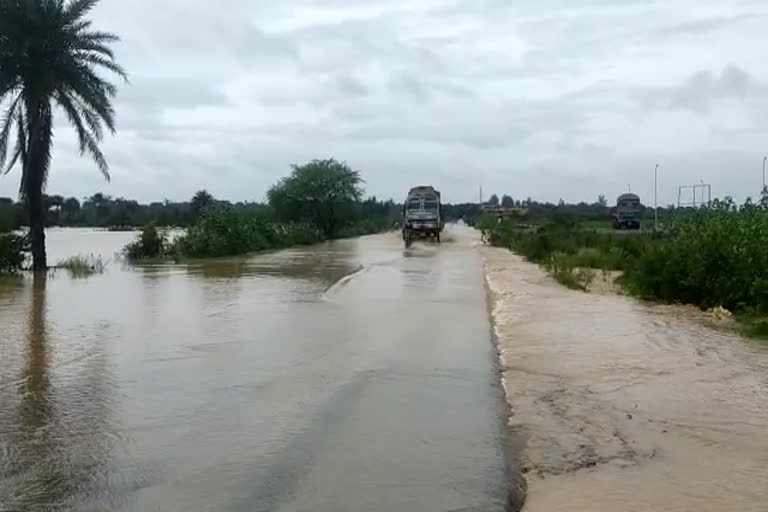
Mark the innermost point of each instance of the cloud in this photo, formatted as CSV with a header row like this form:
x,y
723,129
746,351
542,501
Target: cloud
x,y
703,25
704,89
542,98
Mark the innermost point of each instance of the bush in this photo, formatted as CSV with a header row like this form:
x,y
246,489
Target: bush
x,y
13,252
713,257
222,231
588,257
151,243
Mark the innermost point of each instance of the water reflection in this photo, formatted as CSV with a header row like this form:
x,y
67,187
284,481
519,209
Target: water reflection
x,y
58,442
35,408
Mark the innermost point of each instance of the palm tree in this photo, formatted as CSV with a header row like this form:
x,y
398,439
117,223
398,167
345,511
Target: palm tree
x,y
49,56
202,200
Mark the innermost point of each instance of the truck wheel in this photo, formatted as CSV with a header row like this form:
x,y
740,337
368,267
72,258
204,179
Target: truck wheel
x,y
437,238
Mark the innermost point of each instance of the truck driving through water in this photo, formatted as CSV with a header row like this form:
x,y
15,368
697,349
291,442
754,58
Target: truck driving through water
x,y
626,214
422,215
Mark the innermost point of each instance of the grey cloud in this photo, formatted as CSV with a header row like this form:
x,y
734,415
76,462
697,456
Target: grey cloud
x,y
703,88
704,25
146,92
407,84
351,86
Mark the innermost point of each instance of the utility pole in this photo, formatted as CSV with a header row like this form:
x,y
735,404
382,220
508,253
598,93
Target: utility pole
x,y
656,198
763,190
481,194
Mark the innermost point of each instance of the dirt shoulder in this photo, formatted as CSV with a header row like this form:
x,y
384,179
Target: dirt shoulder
x,y
623,406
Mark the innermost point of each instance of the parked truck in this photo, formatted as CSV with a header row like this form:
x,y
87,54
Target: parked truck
x,y
626,214
422,215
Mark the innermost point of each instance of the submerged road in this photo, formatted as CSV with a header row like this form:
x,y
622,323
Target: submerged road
x,y
352,376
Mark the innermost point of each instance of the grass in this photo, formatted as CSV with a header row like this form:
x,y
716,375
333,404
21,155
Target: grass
x,y
597,224
752,325
81,266
562,269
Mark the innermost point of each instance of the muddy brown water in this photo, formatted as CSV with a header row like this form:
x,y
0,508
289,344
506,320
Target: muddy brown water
x,y
624,406
349,376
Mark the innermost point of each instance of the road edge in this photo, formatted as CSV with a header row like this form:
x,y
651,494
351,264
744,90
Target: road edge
x,y
512,444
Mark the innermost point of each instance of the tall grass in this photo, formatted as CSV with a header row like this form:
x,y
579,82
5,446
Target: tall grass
x,y
82,266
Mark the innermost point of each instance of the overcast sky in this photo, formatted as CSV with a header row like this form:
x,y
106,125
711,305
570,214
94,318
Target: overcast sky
x,y
541,98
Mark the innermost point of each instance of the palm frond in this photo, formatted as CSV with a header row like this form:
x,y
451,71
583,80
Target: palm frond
x,y
84,45
98,157
74,117
97,36
20,150
88,139
5,131
80,26
109,64
94,122
92,91
76,9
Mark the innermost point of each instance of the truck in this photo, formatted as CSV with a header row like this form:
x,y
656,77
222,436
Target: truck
x,y
626,214
422,215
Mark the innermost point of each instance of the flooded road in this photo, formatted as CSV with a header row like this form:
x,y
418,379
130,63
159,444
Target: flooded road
x,y
622,406
345,377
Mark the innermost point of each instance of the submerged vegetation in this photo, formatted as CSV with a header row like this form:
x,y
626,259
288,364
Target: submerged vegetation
x,y
82,266
317,201
151,243
13,252
222,231
708,257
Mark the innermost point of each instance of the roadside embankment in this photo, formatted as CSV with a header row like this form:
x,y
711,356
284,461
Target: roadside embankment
x,y
623,406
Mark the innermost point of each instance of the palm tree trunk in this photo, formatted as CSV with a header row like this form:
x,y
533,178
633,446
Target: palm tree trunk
x,y
33,179
35,210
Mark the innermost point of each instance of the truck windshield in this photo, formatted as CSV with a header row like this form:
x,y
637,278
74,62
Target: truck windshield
x,y
414,204
431,205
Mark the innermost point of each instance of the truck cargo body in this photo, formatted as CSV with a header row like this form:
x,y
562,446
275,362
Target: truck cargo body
x,y
422,215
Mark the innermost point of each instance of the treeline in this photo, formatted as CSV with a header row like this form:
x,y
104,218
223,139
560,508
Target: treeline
x,y
711,256
101,210
598,210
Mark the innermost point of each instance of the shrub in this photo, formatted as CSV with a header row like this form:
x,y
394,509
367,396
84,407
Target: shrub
x,y
13,252
151,243
714,257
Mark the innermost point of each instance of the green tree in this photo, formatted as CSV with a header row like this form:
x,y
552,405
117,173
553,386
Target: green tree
x,y
50,55
494,200
70,210
320,192
507,201
602,201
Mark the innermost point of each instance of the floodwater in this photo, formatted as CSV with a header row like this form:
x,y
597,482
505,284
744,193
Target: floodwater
x,y
350,376
622,406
